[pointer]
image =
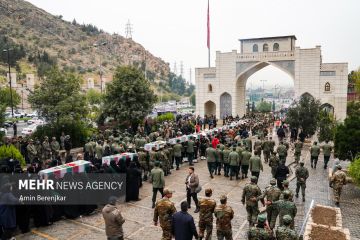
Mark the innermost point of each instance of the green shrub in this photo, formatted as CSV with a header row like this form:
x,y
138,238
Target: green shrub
x,y
11,152
165,117
354,171
78,131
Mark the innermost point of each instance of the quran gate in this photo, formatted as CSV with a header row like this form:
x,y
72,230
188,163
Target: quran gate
x,y
220,90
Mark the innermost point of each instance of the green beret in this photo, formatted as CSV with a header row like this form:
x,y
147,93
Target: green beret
x,y
287,219
261,218
253,178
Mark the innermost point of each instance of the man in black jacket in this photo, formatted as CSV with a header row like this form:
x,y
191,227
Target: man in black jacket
x,y
183,226
281,174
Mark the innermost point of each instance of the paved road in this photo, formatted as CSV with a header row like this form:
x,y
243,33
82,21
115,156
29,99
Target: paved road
x,y
138,215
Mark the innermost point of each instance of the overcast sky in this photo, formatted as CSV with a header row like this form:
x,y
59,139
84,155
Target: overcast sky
x,y
175,30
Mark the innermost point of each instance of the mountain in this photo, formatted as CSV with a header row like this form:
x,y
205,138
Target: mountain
x,y
72,45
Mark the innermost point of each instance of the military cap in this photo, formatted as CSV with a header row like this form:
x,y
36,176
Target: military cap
x,y
286,182
338,166
287,219
302,162
157,163
261,218
167,191
208,191
223,197
273,181
253,179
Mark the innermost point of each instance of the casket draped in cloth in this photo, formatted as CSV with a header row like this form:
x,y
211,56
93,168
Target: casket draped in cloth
x,y
122,156
79,166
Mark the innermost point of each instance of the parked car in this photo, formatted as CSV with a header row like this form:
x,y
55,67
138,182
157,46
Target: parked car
x,y
19,114
29,130
32,115
36,121
3,130
7,124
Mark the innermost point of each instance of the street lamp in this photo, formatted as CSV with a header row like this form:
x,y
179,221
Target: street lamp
x,y
100,72
11,96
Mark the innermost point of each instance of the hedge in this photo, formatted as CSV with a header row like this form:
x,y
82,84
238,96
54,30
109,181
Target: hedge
x,y
11,152
354,171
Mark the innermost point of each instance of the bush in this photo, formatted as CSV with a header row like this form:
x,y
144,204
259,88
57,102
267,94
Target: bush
x,y
354,171
11,152
165,117
78,131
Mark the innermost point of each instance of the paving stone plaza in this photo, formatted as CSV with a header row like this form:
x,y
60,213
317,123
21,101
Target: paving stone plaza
x,y
139,215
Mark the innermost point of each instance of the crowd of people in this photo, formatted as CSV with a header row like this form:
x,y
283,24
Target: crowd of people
x,y
232,152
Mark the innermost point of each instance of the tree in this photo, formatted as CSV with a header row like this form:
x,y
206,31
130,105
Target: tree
x,y
263,107
5,97
354,78
129,97
347,135
304,114
327,126
58,98
193,99
94,97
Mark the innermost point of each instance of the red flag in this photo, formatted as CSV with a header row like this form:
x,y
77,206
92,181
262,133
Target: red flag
x,y
208,26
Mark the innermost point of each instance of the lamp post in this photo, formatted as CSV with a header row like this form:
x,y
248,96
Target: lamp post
x,y
22,96
100,72
11,96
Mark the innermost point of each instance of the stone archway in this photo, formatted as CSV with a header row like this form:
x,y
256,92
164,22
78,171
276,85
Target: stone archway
x,y
327,107
225,105
210,108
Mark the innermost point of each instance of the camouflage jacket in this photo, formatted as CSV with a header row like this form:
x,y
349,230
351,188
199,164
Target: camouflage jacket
x,y
282,150
234,159
301,173
164,209
274,161
271,193
298,146
207,207
291,197
251,190
224,214
286,233
246,155
226,153
338,179
257,233
285,208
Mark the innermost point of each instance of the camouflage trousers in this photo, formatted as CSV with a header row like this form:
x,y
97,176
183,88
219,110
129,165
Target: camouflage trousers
x,y
272,214
302,186
224,234
205,226
167,235
252,214
337,193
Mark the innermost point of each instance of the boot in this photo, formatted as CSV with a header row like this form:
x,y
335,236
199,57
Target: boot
x,y
153,205
211,175
297,195
230,178
197,210
303,198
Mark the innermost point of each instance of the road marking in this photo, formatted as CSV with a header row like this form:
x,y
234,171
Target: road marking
x,y
86,225
240,229
44,235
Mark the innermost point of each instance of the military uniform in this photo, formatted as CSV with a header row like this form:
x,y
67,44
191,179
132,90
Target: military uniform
x,y
223,214
297,153
285,232
251,194
207,207
211,159
255,166
234,164
272,193
47,149
338,180
257,147
327,148
282,152
246,155
286,207
164,209
144,164
31,152
261,231
226,154
177,154
55,147
274,162
314,151
301,175
266,150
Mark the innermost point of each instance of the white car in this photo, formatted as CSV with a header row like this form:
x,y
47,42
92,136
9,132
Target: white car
x,y
32,115
3,130
29,130
36,121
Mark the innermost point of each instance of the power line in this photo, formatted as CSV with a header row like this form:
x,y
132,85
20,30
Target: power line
x,y
128,30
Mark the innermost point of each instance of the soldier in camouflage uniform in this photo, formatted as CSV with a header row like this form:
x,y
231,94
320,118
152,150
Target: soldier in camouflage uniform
x,y
164,209
207,208
39,150
282,151
245,158
285,207
31,151
314,152
272,193
144,163
301,175
234,163
47,149
248,144
286,184
251,194
55,147
261,231
219,159
226,153
297,153
327,148
274,162
152,157
285,232
223,214
166,153
272,144
258,146
266,150
338,180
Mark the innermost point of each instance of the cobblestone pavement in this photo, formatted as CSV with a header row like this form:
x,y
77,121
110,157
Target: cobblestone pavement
x,y
139,215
